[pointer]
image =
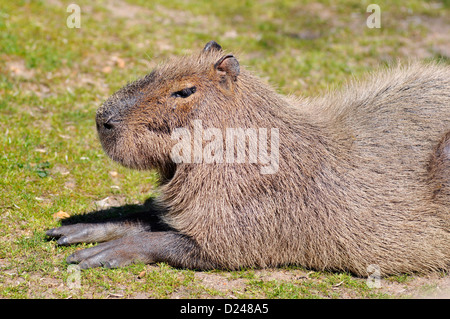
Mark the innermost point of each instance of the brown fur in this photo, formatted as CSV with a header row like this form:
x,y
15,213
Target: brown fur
x,y
364,173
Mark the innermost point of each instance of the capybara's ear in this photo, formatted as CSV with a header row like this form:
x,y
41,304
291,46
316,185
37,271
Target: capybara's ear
x,y
212,46
228,65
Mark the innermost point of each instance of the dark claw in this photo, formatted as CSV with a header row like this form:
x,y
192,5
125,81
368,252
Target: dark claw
x,y
71,259
52,232
86,265
63,241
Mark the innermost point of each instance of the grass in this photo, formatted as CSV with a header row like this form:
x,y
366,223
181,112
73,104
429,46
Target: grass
x,y
52,79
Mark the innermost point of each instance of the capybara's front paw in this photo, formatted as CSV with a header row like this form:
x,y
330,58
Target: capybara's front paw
x,y
113,254
95,232
71,234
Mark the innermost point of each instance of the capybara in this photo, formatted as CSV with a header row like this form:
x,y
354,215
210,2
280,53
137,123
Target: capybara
x,y
251,178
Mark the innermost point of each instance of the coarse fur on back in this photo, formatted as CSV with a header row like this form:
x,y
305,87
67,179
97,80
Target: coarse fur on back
x,y
353,188
363,177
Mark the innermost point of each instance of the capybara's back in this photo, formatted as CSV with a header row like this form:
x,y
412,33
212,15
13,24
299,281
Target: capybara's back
x,y
394,133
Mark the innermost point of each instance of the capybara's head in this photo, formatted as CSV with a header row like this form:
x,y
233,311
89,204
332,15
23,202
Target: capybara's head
x,y
136,122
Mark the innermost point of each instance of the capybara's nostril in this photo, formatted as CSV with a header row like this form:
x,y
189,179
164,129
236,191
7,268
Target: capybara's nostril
x,y
108,125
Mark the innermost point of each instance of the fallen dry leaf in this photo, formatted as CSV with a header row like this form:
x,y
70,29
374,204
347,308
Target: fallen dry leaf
x,y
141,274
113,173
61,215
338,284
118,61
107,69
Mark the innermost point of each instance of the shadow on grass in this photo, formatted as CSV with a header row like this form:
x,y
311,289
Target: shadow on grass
x,y
147,213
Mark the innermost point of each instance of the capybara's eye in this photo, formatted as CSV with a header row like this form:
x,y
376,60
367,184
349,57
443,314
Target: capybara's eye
x,y
185,92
